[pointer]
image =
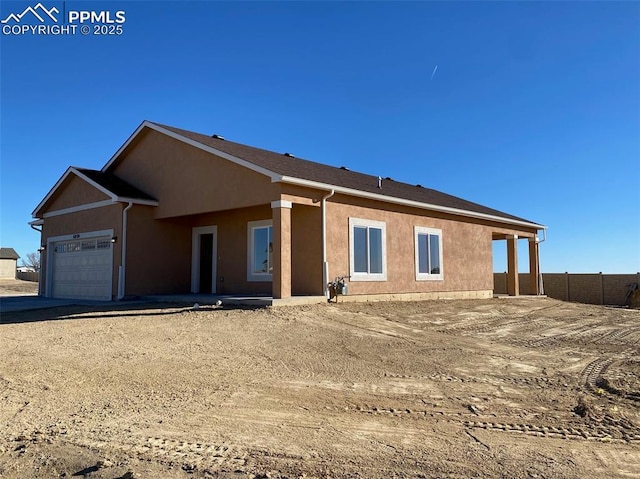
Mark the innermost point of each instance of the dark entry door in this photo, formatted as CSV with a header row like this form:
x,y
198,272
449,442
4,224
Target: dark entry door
x,y
206,263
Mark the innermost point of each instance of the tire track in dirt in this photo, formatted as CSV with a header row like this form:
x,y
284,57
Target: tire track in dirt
x,y
584,334
593,372
191,456
495,325
611,434
555,338
616,380
610,430
542,381
616,336
492,323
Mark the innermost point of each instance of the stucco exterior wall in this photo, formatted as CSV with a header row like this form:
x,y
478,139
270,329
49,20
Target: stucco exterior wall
x,y
306,250
73,192
467,248
187,180
158,254
231,266
159,251
97,219
8,268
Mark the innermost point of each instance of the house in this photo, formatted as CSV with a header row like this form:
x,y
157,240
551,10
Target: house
x,y
8,262
175,211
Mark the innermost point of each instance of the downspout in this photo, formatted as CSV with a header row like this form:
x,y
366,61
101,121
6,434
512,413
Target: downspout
x,y
40,251
123,249
538,241
325,264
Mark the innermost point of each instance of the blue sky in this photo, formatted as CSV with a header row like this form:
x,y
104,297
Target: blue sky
x,y
534,108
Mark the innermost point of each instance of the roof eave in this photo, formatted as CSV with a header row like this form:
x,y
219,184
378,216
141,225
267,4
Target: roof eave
x,y
114,198
405,202
137,201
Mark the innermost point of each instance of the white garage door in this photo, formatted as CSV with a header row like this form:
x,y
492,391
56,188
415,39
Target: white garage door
x,y
82,268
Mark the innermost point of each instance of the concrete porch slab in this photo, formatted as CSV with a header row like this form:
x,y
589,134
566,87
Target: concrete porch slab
x,y
234,300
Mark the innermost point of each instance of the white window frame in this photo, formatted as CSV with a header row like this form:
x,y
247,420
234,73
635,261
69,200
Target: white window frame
x,y
252,276
362,223
423,230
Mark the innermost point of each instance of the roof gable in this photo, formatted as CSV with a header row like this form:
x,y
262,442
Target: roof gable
x,y
8,253
115,188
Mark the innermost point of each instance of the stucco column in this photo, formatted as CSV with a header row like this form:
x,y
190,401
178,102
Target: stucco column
x,y
534,267
513,286
281,249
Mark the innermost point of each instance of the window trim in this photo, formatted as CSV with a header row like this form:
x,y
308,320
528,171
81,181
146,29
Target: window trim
x,y
358,276
252,276
423,230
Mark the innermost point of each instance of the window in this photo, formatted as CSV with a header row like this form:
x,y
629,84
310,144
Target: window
x,y
260,251
104,243
88,245
367,250
428,253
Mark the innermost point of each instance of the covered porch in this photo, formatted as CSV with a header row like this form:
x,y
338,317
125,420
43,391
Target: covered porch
x,y
534,284
272,252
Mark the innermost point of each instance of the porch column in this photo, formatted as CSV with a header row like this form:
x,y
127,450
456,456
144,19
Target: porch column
x,y
281,249
534,267
513,286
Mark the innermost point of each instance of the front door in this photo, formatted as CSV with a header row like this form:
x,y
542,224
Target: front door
x,y
203,259
206,263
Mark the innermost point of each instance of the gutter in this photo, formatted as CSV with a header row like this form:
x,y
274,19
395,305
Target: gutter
x,y
411,203
325,263
123,260
33,224
539,276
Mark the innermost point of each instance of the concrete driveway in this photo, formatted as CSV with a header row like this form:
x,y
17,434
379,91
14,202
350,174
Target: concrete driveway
x,y
25,303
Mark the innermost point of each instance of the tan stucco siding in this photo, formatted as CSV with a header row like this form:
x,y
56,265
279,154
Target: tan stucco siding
x,y
8,268
73,192
301,195
186,180
97,219
159,251
232,229
467,248
306,250
158,254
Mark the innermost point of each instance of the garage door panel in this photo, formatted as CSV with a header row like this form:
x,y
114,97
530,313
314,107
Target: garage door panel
x,y
83,269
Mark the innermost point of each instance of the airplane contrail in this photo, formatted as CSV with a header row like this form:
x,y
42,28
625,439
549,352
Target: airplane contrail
x,y
434,72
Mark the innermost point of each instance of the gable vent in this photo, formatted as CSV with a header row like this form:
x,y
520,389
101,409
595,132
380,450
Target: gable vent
x,y
217,137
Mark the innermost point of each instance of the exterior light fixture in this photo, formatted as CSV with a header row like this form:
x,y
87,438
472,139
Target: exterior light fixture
x,y
114,239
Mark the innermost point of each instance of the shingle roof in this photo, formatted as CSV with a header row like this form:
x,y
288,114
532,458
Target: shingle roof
x,y
115,185
8,253
330,175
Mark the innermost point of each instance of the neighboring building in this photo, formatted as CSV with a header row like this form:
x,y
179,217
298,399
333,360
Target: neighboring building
x,y
26,269
8,263
175,211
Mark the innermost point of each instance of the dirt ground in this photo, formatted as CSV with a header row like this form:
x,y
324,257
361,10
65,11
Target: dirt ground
x,y
16,287
518,388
